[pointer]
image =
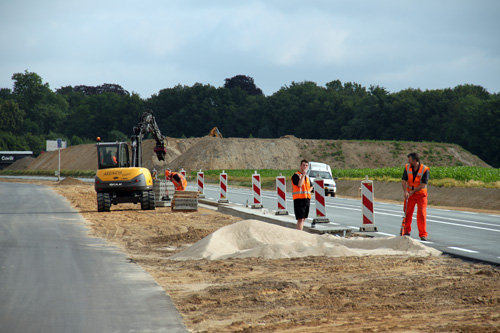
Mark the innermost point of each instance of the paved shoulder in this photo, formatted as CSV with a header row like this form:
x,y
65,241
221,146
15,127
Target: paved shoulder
x,y
55,278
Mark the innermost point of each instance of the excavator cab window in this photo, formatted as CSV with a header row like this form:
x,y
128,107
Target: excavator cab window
x,y
108,157
124,157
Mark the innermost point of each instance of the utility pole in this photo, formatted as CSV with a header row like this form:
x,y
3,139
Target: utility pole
x,y
59,145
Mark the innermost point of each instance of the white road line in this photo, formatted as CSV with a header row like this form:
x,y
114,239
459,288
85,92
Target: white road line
x,y
386,234
463,250
463,225
461,220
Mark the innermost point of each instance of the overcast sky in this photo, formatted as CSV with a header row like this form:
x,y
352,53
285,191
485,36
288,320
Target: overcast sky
x,y
149,45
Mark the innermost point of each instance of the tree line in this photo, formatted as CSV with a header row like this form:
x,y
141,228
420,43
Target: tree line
x,y
467,115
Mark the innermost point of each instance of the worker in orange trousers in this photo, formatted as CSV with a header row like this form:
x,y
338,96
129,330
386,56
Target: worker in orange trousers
x,y
414,181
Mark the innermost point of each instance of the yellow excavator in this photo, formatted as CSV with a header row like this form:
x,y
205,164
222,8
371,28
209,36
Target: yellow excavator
x,y
215,133
119,178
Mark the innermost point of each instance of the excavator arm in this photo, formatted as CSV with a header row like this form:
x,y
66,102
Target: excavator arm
x,y
147,124
215,133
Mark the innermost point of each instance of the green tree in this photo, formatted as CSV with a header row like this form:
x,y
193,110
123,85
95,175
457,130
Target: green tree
x,y
245,83
11,117
43,108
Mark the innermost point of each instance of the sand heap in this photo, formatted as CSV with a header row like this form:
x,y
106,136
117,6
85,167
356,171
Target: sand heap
x,y
70,181
252,238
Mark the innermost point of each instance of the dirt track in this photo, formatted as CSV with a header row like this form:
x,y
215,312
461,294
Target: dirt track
x,y
312,294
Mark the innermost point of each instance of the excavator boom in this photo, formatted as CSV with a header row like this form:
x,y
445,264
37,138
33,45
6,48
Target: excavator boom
x,y
147,124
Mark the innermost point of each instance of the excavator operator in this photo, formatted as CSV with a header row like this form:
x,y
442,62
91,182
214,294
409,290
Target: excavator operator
x,y
178,179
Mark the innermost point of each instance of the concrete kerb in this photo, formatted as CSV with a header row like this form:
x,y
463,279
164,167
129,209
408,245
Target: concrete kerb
x,y
269,216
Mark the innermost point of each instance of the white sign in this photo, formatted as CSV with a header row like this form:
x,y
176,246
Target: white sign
x,y
52,145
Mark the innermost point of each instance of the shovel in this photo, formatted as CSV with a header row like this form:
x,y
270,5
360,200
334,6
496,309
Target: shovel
x,y
403,224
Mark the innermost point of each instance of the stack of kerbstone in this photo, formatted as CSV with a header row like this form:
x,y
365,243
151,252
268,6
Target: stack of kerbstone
x,y
164,191
185,201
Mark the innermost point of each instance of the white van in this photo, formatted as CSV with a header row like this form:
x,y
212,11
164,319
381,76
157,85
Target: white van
x,y
323,171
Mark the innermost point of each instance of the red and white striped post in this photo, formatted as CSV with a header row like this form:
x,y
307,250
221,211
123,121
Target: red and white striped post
x,y
319,197
367,203
200,177
257,200
281,192
183,172
223,187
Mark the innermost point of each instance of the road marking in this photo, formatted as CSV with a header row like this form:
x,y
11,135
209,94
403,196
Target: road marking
x,y
450,223
461,249
386,234
461,220
463,225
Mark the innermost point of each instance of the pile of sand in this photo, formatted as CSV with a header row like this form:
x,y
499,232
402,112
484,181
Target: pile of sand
x,y
252,238
70,181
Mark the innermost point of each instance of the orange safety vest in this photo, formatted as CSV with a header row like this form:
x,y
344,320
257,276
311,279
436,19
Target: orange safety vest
x,y
179,186
413,183
303,192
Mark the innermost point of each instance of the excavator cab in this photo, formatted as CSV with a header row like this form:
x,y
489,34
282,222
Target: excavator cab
x,y
112,155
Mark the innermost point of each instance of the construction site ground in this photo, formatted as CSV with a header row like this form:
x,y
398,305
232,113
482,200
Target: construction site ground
x,y
310,294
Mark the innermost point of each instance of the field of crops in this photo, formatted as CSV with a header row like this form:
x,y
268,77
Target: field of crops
x,y
464,174
486,176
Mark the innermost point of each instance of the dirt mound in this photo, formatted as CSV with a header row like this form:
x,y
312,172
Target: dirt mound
x,y
236,153
284,153
21,164
70,181
81,157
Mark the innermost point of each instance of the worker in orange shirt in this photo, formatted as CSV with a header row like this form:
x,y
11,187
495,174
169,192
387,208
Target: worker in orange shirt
x,y
301,194
178,179
414,181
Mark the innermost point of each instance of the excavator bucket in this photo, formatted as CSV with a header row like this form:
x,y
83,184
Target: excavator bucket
x,y
160,151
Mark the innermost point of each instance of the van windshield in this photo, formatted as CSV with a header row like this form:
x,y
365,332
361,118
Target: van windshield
x,y
320,174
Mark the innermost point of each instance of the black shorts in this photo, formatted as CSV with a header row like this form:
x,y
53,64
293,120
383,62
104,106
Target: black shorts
x,y
301,208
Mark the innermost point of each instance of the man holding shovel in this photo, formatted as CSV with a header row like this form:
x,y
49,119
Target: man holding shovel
x,y
414,181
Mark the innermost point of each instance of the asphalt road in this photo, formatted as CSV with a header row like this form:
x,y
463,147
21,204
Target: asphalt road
x,y
55,278
469,235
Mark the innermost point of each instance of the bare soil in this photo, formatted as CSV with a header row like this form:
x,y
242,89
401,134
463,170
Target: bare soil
x,y
311,294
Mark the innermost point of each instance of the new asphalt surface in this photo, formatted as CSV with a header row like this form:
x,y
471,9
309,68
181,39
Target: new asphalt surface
x,y
56,278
